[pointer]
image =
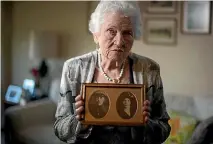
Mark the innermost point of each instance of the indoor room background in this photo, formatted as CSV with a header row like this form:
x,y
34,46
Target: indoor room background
x,y
186,67
185,59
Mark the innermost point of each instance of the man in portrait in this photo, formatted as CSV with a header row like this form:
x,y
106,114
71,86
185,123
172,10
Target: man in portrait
x,y
99,105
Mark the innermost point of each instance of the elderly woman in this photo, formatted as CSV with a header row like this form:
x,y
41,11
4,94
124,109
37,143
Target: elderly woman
x,y
115,25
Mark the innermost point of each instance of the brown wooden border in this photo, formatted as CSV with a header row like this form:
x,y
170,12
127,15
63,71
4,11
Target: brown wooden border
x,y
112,111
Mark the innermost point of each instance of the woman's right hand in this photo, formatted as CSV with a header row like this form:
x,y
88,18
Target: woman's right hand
x,y
79,106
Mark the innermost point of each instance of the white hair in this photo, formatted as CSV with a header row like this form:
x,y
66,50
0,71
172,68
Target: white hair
x,y
128,8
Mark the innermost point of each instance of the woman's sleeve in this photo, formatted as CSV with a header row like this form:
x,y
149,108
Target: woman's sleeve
x,y
157,129
67,128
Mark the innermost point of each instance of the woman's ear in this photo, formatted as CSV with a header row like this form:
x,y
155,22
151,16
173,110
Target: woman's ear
x,y
95,37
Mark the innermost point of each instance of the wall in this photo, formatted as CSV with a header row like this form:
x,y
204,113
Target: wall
x,y
186,68
6,47
66,18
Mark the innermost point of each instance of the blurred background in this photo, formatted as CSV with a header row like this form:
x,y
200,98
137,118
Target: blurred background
x,y
37,37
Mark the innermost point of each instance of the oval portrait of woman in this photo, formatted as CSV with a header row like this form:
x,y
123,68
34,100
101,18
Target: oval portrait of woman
x,y
126,105
98,104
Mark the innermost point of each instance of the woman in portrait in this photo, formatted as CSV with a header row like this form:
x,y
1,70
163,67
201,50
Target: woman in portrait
x,y
127,108
114,25
126,105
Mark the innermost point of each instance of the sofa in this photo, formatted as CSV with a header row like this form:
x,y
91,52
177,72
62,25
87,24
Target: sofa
x,y
191,119
33,122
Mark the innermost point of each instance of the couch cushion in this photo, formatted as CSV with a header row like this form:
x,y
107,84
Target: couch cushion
x,y
182,127
203,133
196,106
43,134
204,107
181,104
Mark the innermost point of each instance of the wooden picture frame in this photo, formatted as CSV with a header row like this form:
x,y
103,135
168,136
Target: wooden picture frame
x,y
113,104
196,17
160,31
162,7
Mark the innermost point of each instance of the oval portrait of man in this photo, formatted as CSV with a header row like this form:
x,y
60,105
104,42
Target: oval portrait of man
x,y
98,104
126,105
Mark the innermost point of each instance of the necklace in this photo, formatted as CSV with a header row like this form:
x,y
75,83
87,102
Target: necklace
x,y
106,76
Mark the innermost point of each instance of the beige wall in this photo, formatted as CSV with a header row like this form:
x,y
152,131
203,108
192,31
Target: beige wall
x,y
6,47
186,68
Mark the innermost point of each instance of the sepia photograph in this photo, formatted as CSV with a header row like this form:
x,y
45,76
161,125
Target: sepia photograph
x,y
196,17
126,105
160,31
98,104
113,104
162,7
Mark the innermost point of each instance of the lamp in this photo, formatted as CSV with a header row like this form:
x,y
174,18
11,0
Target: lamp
x,y
43,45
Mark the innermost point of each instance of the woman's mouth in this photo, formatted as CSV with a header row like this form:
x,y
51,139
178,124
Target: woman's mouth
x,y
118,50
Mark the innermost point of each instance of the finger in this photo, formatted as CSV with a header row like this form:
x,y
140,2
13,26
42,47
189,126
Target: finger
x,y
146,103
79,117
147,109
79,103
146,119
79,110
79,97
146,114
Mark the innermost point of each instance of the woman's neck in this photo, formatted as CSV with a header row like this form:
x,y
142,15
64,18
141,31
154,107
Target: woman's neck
x,y
111,64
112,68
127,110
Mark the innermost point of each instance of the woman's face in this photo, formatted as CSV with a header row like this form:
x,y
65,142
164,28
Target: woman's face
x,y
116,36
126,102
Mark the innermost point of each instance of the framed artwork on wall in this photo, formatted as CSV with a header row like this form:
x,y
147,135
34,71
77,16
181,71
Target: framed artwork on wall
x,y
161,31
162,7
196,17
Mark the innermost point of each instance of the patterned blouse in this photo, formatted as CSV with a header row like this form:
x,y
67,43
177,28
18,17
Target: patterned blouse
x,y
81,69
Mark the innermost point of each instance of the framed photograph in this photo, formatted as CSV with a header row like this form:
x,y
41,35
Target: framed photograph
x,y
13,94
113,104
161,31
29,87
196,17
159,7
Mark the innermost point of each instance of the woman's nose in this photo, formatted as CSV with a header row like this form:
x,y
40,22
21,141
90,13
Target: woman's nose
x,y
119,41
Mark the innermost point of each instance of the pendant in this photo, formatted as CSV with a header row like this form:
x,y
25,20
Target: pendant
x,y
116,81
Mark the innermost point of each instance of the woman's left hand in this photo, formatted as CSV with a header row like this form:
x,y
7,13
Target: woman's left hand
x,y
146,110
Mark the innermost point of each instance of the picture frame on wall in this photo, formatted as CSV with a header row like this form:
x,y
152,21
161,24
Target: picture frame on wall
x,y
196,17
162,7
160,31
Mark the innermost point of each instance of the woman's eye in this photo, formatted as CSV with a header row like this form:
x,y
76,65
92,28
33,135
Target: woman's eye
x,y
127,33
112,32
